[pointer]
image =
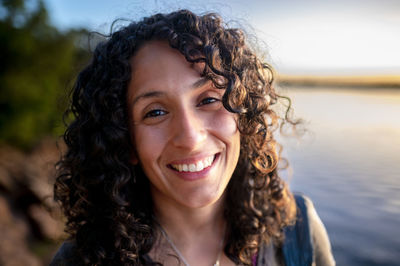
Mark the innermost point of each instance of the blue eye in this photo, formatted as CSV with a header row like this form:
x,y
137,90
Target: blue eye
x,y
155,113
208,100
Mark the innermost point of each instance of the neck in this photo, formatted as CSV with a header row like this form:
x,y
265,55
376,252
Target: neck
x,y
182,222
197,233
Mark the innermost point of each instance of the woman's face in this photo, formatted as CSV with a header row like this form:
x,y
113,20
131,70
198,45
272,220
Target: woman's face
x,y
186,141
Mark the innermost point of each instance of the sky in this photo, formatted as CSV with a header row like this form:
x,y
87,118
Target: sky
x,y
302,37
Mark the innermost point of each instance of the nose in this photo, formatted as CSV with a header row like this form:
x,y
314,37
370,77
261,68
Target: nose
x,y
189,131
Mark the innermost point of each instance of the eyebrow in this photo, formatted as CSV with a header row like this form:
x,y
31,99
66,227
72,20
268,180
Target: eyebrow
x,y
200,83
197,84
149,94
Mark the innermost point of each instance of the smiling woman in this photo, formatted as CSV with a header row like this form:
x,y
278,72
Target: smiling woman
x,y
180,127
171,157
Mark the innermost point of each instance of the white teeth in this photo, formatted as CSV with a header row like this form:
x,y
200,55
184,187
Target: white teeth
x,y
197,167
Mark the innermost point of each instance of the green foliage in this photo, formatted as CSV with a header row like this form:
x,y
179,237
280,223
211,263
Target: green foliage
x,y
37,64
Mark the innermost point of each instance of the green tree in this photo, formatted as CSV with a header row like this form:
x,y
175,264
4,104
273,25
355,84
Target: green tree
x,y
36,63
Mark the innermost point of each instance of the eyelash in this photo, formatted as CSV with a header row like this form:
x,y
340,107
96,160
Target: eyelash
x,y
158,112
155,113
203,102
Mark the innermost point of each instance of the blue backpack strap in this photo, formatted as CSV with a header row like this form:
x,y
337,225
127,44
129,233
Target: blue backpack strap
x,y
66,255
297,247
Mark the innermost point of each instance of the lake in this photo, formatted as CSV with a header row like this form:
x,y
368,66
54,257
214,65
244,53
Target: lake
x,y
348,163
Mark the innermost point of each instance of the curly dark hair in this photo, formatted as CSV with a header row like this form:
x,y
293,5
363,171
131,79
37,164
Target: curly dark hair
x,y
107,200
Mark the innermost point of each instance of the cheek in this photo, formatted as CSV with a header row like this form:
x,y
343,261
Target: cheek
x,y
148,143
225,123
224,126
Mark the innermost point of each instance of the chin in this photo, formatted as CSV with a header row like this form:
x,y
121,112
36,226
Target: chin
x,y
200,201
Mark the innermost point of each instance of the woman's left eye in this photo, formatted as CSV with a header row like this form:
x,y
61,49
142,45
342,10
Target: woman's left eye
x,y
208,100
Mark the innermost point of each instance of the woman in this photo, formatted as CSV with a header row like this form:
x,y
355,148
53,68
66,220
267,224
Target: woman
x,y
171,157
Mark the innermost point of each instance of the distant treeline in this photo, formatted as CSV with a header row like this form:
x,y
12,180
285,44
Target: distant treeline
x,y
38,64
371,81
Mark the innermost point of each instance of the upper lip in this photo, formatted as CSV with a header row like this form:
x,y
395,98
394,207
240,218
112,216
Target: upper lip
x,y
193,159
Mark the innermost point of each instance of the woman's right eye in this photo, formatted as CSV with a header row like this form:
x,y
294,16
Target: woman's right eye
x,y
155,113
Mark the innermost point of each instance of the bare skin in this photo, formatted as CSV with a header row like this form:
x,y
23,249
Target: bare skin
x,y
188,146
196,233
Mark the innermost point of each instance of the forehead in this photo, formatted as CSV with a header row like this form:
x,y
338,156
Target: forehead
x,y
155,52
157,64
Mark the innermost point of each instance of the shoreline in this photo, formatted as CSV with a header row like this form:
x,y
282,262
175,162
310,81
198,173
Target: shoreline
x,y
378,81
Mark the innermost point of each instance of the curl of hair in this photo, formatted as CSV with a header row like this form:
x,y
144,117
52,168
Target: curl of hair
x,y
106,199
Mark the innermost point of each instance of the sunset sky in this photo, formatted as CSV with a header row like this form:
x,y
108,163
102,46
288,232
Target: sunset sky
x,y
302,37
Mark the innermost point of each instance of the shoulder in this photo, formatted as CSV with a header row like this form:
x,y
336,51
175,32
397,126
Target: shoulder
x,y
318,236
66,255
305,243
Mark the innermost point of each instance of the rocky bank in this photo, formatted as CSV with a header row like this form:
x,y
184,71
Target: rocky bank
x,y
31,223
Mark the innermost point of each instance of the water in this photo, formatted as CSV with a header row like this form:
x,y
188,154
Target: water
x,y
348,162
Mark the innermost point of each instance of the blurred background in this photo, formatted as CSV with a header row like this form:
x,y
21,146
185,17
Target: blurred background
x,y
339,61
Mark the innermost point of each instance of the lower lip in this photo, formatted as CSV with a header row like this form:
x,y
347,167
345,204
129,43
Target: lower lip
x,y
192,176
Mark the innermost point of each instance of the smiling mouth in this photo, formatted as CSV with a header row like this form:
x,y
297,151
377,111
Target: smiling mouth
x,y
194,167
